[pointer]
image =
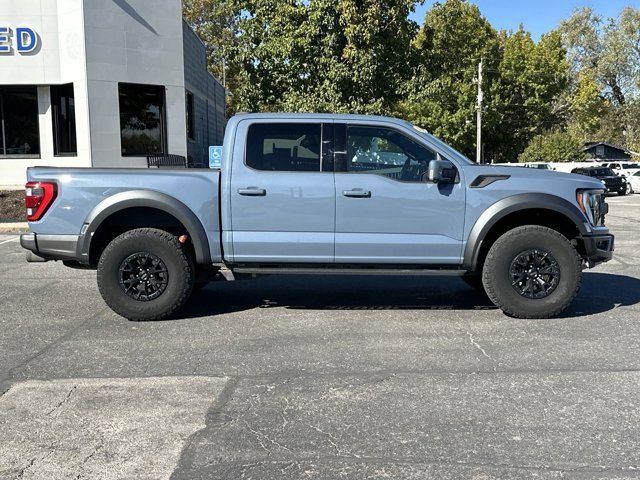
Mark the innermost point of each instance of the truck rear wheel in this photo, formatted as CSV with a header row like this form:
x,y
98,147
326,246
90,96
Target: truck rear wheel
x,y
532,272
145,274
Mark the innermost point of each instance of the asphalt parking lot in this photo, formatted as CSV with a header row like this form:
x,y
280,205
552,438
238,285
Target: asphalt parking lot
x,y
321,377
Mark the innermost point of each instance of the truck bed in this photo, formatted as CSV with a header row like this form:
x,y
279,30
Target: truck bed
x,y
84,192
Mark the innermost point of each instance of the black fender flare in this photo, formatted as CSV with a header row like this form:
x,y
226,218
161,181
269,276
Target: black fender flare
x,y
506,206
144,198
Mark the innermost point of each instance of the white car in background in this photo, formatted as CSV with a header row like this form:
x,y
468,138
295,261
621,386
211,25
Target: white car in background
x,y
539,166
627,170
622,168
634,181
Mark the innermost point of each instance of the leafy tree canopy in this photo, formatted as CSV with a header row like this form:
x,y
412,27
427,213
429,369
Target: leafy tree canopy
x,y
367,56
553,147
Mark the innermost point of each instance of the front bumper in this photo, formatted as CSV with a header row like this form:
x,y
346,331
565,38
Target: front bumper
x,y
598,248
49,247
615,188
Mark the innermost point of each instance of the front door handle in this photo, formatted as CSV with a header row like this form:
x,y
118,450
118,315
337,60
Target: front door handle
x,y
357,193
252,192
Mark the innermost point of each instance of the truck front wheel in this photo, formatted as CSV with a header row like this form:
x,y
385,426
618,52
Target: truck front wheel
x,y
532,272
145,274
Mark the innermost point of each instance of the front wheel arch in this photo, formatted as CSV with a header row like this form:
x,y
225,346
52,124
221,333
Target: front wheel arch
x,y
519,210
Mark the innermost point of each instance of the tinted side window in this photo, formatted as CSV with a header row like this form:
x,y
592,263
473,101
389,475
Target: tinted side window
x,y
284,147
386,152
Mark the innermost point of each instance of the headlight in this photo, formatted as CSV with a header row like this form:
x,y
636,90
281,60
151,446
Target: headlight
x,y
593,206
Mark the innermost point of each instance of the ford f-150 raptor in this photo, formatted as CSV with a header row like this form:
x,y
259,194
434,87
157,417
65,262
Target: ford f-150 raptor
x,y
318,194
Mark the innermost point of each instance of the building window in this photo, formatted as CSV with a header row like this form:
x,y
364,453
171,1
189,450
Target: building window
x,y
191,120
64,120
284,147
19,132
142,119
600,151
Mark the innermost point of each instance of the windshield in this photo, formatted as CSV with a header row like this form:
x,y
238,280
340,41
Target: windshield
x,y
452,152
601,172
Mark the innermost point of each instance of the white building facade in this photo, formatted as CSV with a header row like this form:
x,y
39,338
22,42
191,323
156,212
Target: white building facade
x,y
102,83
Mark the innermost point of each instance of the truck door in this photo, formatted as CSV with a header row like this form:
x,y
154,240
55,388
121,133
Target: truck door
x,y
386,211
282,194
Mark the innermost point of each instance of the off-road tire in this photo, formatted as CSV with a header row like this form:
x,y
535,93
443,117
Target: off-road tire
x,y
498,284
163,245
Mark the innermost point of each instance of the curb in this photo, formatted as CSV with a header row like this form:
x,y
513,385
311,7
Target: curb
x,y
14,227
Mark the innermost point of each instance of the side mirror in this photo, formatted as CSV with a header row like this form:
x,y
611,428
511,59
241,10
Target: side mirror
x,y
442,171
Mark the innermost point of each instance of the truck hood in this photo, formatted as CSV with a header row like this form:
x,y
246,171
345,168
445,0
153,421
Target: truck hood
x,y
537,176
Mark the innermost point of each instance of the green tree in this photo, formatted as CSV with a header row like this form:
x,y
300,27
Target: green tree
x,y
559,146
587,107
531,79
522,83
324,55
441,95
217,22
610,49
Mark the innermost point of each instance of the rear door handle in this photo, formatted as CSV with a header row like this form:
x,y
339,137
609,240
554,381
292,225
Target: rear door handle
x,y
357,193
252,192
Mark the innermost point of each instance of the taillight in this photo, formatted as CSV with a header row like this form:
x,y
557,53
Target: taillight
x,y
38,198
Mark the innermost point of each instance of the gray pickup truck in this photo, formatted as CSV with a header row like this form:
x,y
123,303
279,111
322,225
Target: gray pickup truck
x,y
321,194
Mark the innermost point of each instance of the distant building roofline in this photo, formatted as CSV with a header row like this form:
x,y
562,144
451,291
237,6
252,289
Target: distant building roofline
x,y
589,145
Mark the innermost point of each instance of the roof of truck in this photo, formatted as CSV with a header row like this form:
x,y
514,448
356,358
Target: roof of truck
x,y
319,116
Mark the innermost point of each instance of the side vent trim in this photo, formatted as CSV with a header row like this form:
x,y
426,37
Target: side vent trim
x,y
482,181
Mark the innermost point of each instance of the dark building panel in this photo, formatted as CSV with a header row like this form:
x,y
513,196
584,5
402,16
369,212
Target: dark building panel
x,y
208,99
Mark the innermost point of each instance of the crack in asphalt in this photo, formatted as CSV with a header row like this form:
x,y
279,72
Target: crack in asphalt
x,y
63,401
477,345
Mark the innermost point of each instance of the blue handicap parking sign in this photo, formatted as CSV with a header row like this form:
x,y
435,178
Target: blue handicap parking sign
x,y
215,157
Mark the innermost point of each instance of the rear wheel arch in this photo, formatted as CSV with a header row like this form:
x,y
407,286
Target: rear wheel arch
x,y
519,210
142,200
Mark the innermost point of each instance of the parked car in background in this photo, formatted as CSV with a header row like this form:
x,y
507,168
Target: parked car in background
x,y
539,166
623,168
613,183
626,170
634,182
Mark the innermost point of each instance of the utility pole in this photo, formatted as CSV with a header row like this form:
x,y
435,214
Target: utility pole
x,y
224,72
479,116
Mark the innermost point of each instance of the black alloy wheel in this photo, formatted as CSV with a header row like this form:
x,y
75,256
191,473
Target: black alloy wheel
x,y
143,276
534,274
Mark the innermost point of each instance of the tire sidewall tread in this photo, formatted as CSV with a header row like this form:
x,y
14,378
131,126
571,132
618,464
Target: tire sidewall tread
x,y
496,279
177,260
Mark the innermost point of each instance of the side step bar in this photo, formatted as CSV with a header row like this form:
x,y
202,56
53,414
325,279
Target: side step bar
x,y
346,271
